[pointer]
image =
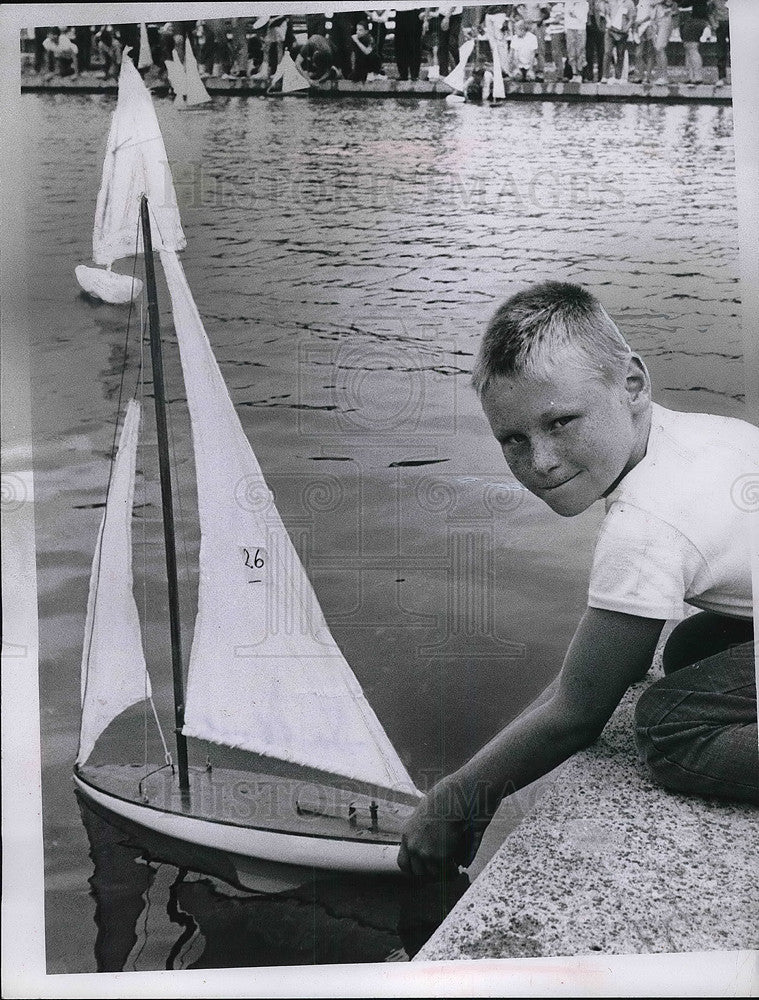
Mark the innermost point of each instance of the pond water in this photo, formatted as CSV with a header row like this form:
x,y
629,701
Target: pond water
x,y
344,256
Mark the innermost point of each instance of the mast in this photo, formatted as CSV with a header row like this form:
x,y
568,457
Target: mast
x,y
166,499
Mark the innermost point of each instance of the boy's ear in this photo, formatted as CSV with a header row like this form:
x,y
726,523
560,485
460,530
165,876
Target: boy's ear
x,y
637,381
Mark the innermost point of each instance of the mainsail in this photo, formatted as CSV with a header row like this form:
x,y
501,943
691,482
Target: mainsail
x,y
114,675
265,673
195,90
135,164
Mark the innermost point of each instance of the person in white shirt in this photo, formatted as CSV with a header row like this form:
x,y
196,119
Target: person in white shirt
x,y
569,403
524,48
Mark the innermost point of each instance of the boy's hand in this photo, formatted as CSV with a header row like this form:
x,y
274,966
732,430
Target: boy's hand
x,y
438,837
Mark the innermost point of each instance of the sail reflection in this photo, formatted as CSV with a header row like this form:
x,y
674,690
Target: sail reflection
x,y
161,903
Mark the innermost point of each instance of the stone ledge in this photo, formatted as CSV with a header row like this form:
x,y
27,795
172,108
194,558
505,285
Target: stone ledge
x,y
675,93
609,862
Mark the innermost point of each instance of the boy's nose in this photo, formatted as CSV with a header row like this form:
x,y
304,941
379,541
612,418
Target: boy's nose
x,y
544,460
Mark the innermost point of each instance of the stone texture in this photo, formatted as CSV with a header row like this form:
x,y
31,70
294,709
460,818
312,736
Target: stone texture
x,y
609,862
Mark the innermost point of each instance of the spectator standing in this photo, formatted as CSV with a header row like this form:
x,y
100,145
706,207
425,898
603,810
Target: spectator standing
x,y
620,17
341,35
694,17
575,29
274,41
430,35
449,32
203,46
595,32
557,39
378,19
720,22
643,34
109,49
83,39
408,42
663,17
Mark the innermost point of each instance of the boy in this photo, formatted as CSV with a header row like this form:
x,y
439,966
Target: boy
x,y
569,403
524,48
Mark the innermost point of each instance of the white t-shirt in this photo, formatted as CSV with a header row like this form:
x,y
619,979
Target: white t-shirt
x,y
677,526
576,15
524,49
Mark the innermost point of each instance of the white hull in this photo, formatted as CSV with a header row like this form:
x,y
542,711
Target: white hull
x,y
287,848
110,286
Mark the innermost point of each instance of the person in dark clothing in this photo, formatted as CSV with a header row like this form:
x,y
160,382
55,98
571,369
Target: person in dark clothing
x,y
316,59
720,22
408,43
595,33
340,34
316,24
83,39
365,57
449,30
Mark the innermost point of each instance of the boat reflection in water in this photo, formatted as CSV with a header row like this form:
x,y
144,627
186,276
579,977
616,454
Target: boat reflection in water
x,y
163,903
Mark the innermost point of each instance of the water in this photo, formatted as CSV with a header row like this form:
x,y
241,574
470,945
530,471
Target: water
x,y
344,256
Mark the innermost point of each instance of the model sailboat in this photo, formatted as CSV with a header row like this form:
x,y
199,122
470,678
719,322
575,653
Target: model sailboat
x,y
287,79
189,89
265,674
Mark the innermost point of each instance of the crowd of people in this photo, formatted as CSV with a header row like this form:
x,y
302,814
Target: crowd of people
x,y
584,40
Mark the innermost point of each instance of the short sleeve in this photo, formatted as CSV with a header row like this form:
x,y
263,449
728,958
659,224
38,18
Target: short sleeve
x,y
642,565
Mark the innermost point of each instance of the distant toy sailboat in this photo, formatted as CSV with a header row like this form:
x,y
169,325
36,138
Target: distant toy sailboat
x,y
290,76
108,242
456,79
326,787
146,57
189,89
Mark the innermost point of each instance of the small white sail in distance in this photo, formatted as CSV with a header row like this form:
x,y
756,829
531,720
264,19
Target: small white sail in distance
x,y
114,674
146,56
176,74
185,80
456,78
291,77
265,673
135,164
195,89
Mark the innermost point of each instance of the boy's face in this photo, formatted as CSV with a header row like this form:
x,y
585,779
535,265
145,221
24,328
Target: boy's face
x,y
568,436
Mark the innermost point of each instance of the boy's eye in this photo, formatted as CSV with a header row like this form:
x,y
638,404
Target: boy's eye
x,y
562,421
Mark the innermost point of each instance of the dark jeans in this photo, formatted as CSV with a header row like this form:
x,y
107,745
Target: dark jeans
x,y
448,45
408,43
594,50
723,47
696,728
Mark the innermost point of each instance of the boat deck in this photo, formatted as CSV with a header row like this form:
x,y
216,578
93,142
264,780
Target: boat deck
x,y
263,801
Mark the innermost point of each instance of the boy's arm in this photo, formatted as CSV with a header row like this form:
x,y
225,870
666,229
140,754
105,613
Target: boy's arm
x,y
609,651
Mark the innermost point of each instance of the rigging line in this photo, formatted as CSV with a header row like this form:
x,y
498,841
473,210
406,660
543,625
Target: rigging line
x,y
99,550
